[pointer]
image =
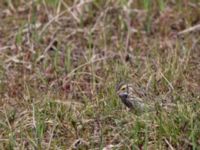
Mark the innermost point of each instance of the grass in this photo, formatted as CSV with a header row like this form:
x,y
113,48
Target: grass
x,y
61,60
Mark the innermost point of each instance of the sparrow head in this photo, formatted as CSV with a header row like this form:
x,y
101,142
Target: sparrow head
x,y
124,90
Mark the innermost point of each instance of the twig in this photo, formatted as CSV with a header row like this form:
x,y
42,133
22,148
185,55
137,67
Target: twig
x,y
171,86
170,146
52,20
51,136
190,29
53,39
85,64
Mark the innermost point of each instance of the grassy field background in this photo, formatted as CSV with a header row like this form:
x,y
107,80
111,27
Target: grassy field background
x,y
60,61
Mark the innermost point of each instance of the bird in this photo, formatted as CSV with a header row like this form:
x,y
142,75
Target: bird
x,y
133,97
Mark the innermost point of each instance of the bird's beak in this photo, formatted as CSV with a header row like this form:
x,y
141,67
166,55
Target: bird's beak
x,y
123,95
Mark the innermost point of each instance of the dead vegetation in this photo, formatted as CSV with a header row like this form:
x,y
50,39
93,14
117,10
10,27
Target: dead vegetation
x,y
61,59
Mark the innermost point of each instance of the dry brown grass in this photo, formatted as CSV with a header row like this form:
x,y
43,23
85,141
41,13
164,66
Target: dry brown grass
x,y
61,59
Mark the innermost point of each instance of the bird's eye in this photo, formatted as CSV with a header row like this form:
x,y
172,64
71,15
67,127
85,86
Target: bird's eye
x,y
123,88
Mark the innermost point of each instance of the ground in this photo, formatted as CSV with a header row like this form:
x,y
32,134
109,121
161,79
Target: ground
x,y
60,62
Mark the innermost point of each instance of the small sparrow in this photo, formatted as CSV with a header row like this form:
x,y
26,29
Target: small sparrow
x,y
132,97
